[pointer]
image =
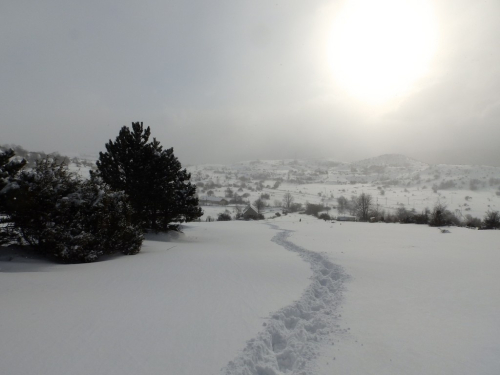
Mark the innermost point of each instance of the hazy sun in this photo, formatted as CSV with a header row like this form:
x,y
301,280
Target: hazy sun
x,y
379,48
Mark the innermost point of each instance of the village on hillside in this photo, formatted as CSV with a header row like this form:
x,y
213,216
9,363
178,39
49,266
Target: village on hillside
x,y
393,181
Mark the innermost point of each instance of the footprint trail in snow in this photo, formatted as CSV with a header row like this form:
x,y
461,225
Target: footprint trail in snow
x,y
293,336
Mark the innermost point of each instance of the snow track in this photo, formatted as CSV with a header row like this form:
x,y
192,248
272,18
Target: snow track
x,y
293,335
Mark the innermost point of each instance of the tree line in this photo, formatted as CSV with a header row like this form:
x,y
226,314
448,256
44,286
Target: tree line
x,y
365,210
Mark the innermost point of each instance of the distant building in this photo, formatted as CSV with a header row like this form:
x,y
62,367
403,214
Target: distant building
x,y
250,212
213,201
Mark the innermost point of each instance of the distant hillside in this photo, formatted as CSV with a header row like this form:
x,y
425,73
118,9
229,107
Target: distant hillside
x,y
393,180
391,160
80,165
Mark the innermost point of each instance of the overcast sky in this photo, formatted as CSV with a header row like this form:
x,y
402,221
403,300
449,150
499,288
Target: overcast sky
x,y
223,81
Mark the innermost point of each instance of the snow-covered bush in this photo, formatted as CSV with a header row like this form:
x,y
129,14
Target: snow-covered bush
x,y
473,222
314,209
224,216
437,216
68,219
423,217
324,216
296,207
492,220
440,216
405,216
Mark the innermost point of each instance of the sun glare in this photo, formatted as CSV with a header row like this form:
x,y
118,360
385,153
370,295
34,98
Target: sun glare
x,y
379,48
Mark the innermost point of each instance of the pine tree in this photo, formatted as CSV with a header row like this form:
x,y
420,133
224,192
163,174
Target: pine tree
x,y
158,188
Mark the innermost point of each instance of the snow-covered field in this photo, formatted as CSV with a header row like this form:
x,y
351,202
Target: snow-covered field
x,y
184,305
418,301
292,295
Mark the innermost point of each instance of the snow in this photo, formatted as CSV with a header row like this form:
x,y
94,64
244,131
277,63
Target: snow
x,y
184,305
418,301
291,295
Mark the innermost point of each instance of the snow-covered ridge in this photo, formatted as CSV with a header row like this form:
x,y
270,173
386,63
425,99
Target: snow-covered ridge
x,y
393,160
